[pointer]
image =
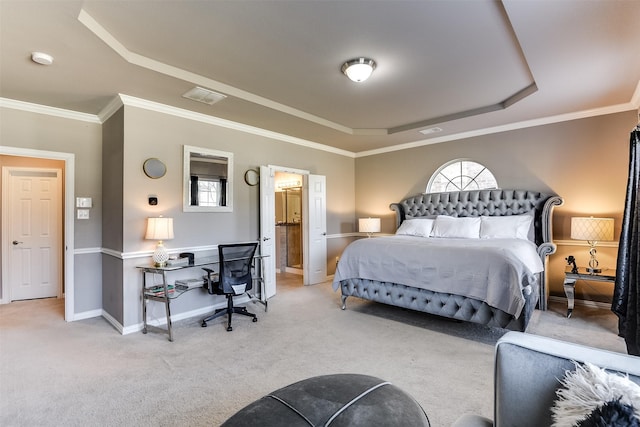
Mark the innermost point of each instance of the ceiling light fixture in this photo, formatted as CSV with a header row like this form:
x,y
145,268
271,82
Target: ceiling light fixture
x,y
359,69
42,58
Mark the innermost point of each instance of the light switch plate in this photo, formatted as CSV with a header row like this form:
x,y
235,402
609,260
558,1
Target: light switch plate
x,y
83,213
83,202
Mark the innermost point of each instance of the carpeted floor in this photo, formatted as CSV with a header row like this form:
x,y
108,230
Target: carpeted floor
x,y
85,373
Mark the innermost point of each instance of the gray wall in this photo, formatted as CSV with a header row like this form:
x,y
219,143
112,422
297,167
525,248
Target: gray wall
x,y
48,133
584,161
153,134
112,212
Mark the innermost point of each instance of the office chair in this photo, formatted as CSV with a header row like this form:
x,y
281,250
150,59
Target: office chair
x,y
234,278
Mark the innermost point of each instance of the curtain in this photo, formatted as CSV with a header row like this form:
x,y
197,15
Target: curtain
x,y
626,292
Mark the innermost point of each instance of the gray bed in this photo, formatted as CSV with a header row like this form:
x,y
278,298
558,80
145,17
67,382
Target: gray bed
x,y
414,273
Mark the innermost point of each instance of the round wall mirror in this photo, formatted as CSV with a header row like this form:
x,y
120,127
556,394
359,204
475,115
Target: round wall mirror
x,y
252,177
154,168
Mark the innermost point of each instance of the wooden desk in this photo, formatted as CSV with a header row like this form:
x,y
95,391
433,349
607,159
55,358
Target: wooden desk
x,y
570,278
164,292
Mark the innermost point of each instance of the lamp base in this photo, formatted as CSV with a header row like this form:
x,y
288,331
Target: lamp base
x,y
160,256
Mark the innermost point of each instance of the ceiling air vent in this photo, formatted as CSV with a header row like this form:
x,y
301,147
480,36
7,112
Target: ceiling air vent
x,y
205,96
430,130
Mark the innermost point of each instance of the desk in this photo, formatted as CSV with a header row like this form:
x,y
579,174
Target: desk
x,y
164,292
570,278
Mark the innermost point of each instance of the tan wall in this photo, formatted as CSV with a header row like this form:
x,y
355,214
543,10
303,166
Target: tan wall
x,y
584,161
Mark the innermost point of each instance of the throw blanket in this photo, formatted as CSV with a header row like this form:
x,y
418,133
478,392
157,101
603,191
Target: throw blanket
x,y
496,271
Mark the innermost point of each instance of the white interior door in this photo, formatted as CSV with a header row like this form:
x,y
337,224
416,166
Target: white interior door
x,y
267,229
315,265
34,246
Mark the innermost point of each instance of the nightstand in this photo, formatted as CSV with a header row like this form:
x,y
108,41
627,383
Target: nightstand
x,y
607,275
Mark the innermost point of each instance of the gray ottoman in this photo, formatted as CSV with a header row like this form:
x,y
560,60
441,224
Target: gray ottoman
x,y
333,400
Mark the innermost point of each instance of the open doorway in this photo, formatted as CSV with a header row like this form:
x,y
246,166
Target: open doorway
x,y
288,215
313,226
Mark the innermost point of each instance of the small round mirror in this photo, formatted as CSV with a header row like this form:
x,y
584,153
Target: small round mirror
x,y
154,168
252,177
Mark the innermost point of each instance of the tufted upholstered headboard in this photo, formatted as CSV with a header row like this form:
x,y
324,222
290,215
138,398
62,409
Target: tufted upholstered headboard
x,y
483,202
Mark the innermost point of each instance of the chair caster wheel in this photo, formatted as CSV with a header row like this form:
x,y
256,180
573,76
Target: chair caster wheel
x,y
255,319
144,331
204,324
229,329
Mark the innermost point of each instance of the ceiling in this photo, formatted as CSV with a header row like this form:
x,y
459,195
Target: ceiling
x,y
462,66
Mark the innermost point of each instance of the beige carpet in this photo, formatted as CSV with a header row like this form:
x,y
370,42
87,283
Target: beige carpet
x,y
85,374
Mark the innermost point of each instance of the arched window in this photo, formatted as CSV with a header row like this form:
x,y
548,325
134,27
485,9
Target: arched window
x,y
461,174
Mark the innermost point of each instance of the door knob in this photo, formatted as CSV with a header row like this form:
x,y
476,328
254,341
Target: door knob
x,y
266,238
15,242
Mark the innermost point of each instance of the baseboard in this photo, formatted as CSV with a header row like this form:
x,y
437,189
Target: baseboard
x,y
87,314
162,321
110,319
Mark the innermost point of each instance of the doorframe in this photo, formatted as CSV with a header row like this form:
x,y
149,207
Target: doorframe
x,y
305,219
68,195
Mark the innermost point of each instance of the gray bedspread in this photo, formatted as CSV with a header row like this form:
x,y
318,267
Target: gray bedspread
x,y
496,271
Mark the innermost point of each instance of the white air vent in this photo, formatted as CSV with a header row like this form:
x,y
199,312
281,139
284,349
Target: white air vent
x,y
430,130
205,96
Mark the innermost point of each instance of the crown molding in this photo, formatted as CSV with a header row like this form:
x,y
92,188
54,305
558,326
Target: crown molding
x,y
204,118
49,111
612,109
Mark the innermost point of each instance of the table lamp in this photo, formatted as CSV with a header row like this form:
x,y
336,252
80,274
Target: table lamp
x,y
369,225
159,229
592,230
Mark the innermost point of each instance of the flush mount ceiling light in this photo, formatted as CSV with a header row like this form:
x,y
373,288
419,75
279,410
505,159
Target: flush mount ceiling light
x,y
42,58
359,69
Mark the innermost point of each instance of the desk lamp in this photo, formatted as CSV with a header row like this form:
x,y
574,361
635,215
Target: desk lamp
x,y
369,225
592,230
160,229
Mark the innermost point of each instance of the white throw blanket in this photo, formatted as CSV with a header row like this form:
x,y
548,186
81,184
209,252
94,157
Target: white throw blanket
x,y
496,271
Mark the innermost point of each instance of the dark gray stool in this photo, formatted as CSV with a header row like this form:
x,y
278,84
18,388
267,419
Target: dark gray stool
x,y
339,400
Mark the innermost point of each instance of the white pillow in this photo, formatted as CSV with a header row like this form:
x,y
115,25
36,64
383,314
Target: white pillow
x,y
449,226
506,227
416,227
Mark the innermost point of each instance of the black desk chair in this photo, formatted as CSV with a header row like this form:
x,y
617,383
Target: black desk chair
x,y
234,279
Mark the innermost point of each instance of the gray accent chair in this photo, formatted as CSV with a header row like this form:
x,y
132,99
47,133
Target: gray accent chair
x,y
526,377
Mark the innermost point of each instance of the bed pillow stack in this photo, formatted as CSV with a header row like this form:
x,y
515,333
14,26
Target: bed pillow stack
x,y
483,227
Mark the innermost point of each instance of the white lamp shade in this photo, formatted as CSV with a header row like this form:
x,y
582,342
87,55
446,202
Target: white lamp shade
x,y
592,229
369,225
159,228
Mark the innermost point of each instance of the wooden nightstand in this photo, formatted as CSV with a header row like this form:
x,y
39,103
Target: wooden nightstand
x,y
570,278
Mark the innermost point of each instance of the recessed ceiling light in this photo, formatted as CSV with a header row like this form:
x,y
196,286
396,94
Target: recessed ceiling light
x,y
203,95
359,69
430,130
42,58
